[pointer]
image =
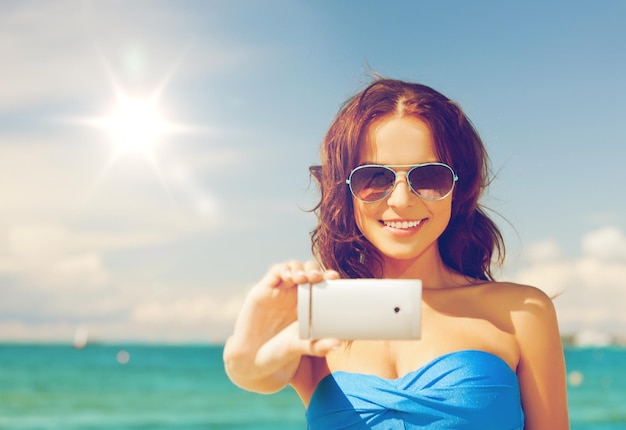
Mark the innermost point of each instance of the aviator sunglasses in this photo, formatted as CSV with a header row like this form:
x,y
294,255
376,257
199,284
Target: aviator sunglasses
x,y
430,181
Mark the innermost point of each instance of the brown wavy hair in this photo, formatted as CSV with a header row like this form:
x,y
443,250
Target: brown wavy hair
x,y
471,238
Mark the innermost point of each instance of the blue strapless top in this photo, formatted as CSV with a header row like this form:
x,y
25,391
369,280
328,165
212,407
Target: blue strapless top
x,y
460,390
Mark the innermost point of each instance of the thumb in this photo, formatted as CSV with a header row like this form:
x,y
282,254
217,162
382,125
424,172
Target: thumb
x,y
314,347
320,347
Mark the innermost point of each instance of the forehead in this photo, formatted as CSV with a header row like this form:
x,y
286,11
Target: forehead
x,y
398,140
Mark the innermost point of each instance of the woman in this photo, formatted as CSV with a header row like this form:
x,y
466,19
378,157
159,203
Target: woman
x,y
402,171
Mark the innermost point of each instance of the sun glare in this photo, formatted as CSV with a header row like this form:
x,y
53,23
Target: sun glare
x,y
136,126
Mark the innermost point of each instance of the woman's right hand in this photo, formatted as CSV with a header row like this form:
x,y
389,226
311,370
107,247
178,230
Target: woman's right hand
x,y
264,351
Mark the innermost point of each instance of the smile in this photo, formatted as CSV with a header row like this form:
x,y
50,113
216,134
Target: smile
x,y
402,224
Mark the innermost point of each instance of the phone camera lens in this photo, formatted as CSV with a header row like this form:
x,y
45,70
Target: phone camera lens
x,y
396,309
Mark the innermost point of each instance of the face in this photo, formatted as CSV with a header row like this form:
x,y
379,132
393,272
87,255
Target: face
x,y
402,226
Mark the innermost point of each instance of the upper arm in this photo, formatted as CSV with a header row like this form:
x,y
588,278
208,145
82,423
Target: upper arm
x,y
310,371
541,368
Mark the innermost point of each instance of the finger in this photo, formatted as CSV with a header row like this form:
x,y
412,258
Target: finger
x,y
282,274
275,275
306,273
292,274
313,272
286,275
315,347
312,266
321,347
331,274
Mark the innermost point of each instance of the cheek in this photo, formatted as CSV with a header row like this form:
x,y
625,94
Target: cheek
x,y
358,215
363,215
443,214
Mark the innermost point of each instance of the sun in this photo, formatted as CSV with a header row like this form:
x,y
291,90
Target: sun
x,y
136,126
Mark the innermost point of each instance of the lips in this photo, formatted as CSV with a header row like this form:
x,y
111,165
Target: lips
x,y
402,225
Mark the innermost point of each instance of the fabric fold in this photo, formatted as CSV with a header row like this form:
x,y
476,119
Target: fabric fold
x,y
461,390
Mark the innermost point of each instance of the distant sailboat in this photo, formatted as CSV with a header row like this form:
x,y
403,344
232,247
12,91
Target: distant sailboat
x,y
81,336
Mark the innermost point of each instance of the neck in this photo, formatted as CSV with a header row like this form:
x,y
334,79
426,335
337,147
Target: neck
x,y
429,267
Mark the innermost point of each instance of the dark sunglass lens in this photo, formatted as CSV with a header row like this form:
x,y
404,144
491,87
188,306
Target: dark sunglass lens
x,y
372,183
432,181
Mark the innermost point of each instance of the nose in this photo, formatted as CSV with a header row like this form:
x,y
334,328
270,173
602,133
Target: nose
x,y
401,195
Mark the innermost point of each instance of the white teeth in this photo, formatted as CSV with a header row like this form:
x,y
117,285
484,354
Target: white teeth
x,y
402,224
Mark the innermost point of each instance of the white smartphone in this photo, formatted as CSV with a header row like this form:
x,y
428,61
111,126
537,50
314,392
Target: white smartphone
x,y
352,309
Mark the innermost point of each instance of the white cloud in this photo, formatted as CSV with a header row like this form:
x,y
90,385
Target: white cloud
x,y
22,331
546,250
551,277
199,309
191,314
607,244
39,255
129,312
45,60
53,205
63,217
44,256
592,285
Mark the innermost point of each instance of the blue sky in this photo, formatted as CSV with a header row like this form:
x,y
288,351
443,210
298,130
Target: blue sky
x,y
164,248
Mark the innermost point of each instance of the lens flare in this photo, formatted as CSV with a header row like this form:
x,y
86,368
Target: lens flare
x,y
136,126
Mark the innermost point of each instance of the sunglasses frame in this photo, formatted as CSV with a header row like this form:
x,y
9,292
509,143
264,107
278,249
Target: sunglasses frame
x,y
411,167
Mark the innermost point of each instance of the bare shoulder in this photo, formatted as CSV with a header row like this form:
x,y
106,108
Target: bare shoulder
x,y
531,311
505,303
518,297
541,367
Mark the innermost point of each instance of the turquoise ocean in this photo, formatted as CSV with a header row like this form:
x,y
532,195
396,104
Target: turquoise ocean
x,y
184,387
